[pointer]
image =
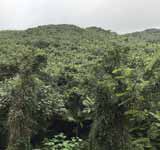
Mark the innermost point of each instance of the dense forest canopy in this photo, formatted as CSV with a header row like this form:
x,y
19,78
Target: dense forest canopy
x,y
63,87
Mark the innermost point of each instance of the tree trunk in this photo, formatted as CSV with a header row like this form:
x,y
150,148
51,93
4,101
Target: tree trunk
x,y
19,123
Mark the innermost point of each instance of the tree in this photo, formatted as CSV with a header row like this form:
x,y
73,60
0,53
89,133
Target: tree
x,y
23,98
113,96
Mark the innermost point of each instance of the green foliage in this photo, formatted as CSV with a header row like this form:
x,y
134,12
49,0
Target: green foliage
x,y
80,75
60,142
24,101
110,129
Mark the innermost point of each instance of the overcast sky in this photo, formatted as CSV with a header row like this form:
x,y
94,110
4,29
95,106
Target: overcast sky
x,y
118,15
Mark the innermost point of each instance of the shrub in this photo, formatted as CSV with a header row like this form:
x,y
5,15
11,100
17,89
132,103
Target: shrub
x,y
60,142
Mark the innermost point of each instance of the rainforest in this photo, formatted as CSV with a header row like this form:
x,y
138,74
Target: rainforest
x,y
63,87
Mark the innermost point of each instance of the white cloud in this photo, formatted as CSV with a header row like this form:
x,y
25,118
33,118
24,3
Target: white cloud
x,y
118,15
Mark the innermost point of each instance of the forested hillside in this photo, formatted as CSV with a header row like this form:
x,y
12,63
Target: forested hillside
x,y
63,87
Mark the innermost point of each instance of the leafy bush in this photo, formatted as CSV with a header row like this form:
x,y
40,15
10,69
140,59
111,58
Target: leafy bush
x,y
60,142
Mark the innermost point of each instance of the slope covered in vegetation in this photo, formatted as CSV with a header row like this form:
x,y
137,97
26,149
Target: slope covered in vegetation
x,y
93,84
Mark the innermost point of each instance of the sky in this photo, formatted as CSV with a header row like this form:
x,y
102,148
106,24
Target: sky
x,y
118,15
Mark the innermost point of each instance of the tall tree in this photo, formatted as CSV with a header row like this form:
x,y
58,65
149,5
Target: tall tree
x,y
23,98
110,130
